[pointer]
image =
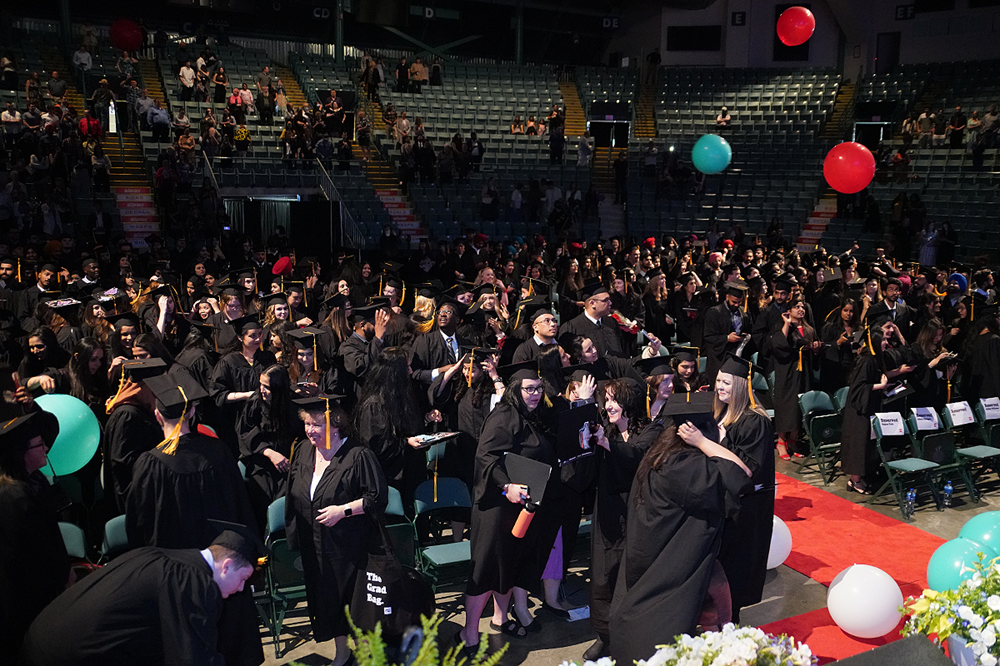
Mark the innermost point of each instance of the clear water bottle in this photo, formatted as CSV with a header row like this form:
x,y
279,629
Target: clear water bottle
x,y
911,502
948,490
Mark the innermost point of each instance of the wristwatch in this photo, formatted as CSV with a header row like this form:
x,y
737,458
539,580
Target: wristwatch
x,y
348,511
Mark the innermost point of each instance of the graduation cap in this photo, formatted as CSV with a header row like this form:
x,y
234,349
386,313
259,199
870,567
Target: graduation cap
x,y
741,367
833,274
785,282
576,373
156,292
338,300
207,331
240,539
695,408
381,302
536,287
592,288
652,367
737,288
317,402
242,274
244,324
22,429
532,474
478,354
366,312
64,305
393,281
570,423
224,288
474,314
656,272
119,321
175,393
486,288
390,266
525,370
896,392
305,338
459,288
686,354
142,369
430,289
274,299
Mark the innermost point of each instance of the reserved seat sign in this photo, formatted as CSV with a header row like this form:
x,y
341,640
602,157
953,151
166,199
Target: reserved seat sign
x,y
960,412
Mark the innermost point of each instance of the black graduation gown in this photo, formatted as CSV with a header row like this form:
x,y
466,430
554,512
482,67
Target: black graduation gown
x,y
929,390
856,448
607,337
685,313
656,318
169,506
264,482
429,352
225,335
527,351
200,363
766,323
358,356
404,467
150,606
747,539
232,374
718,326
131,431
499,560
835,364
464,417
616,471
674,531
331,556
789,380
982,368
34,566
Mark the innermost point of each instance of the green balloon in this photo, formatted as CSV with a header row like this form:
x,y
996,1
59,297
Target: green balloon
x,y
984,529
79,433
711,154
945,569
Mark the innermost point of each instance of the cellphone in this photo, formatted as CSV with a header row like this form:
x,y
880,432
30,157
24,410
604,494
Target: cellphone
x,y
895,389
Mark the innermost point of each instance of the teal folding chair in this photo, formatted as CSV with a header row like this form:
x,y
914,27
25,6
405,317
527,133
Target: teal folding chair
x,y
902,471
115,540
823,427
937,443
978,458
74,540
436,558
284,579
840,398
402,533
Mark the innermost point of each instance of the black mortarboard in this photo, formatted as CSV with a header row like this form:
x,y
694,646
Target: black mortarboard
x,y
320,401
576,373
242,273
430,289
833,274
686,354
64,305
390,266
486,288
24,428
697,408
274,299
367,312
338,300
244,324
175,392
473,314
736,288
393,281
163,290
143,369
785,282
656,272
459,288
478,354
896,392
526,370
651,367
240,539
223,288
380,301
123,319
593,288
539,287
532,307
291,286
738,366
206,330
305,338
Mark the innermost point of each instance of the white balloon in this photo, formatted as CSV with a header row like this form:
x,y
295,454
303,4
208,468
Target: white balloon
x,y
864,601
781,544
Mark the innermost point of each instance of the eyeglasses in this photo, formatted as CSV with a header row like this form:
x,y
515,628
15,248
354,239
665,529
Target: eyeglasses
x,y
36,346
603,300
532,390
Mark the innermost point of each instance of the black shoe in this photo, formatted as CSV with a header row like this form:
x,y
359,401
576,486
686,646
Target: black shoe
x,y
558,612
596,651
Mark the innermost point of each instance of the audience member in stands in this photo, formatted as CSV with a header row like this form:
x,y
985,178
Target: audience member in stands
x,y
186,77
925,123
221,81
264,79
584,149
402,76
621,177
82,64
940,131
403,127
436,74
956,128
127,66
363,132
158,120
516,126
723,119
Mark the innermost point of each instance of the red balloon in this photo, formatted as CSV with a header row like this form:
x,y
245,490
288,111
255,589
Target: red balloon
x,y
126,35
795,26
849,167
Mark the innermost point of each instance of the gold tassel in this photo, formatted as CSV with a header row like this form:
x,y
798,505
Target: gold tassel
x,y
548,403
871,348
437,457
753,401
800,362
403,295
972,309
472,357
315,368
649,414
121,385
531,287
949,391
517,320
18,270
169,445
326,416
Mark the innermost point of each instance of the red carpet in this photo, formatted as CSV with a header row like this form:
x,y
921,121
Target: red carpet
x,y
830,534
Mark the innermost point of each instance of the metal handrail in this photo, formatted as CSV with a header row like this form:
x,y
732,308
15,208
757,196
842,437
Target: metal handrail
x,y
211,172
350,234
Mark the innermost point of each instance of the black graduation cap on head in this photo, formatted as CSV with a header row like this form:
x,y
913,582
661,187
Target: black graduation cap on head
x,y
478,354
686,354
305,338
240,539
156,292
338,300
741,367
394,281
242,274
317,402
175,392
23,428
206,330
123,319
486,288
458,288
244,324
64,306
651,367
390,266
274,299
536,287
696,408
142,369
525,370
430,289
833,274
656,272
225,289
576,373
380,302
592,288
737,288
366,312
473,314
785,282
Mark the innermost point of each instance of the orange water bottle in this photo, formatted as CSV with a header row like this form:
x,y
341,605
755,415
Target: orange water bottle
x,y
524,520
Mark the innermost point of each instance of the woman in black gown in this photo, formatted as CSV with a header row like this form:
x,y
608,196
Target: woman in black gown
x,y
336,495
657,302
838,356
793,347
503,565
685,489
266,429
628,436
684,307
868,379
746,431
34,566
931,381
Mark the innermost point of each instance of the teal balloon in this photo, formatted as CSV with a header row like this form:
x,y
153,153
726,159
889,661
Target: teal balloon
x,y
944,571
984,529
79,433
711,154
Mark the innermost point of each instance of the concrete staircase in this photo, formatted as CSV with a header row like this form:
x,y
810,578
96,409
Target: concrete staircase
x,y
138,212
831,131
811,235
151,80
603,178
293,92
53,61
645,112
576,118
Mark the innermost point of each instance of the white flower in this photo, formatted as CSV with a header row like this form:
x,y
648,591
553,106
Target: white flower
x,y
989,636
987,660
970,616
993,602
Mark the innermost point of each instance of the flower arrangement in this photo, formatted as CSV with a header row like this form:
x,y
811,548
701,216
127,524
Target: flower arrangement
x,y
970,613
733,646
